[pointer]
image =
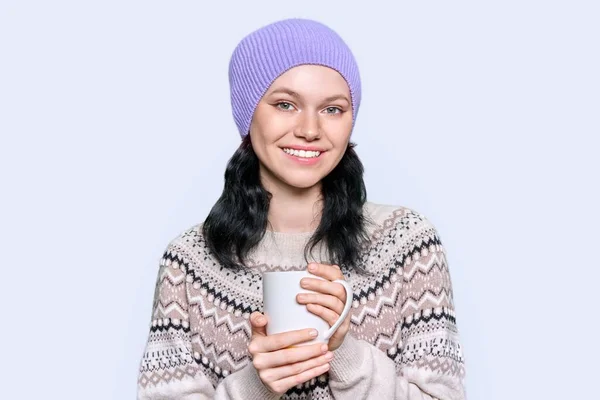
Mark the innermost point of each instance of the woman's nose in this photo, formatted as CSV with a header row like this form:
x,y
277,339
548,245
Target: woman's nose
x,y
308,127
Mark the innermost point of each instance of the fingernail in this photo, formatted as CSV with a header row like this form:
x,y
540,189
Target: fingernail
x,y
329,356
260,320
324,348
313,333
312,267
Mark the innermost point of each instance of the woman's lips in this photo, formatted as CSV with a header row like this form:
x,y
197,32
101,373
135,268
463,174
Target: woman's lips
x,y
304,160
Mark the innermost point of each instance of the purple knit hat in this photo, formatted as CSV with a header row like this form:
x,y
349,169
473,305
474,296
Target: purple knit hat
x,y
265,54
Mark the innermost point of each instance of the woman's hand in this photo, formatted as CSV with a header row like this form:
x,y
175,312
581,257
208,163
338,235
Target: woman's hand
x,y
281,367
329,302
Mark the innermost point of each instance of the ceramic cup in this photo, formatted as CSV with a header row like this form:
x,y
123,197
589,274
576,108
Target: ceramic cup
x,y
285,314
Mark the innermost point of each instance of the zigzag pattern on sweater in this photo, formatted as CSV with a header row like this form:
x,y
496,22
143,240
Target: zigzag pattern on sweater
x,y
403,254
210,290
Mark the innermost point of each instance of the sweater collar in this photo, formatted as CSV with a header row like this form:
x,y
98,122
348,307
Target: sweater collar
x,y
285,251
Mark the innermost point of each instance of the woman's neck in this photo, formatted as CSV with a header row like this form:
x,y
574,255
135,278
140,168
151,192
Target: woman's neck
x,y
293,210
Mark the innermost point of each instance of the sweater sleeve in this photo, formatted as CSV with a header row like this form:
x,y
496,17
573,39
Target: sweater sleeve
x,y
423,359
168,369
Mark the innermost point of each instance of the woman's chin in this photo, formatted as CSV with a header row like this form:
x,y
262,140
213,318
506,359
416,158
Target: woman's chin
x,y
302,182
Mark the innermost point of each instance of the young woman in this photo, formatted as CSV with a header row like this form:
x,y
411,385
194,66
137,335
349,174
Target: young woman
x,y
294,198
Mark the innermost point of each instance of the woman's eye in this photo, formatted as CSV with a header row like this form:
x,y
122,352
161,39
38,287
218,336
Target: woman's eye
x,y
285,106
333,110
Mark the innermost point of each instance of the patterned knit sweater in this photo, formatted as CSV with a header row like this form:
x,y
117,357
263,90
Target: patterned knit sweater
x,y
403,341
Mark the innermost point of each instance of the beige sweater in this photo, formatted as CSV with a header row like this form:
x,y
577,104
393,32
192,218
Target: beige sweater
x,y
403,341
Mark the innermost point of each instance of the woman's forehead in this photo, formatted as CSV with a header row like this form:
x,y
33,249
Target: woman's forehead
x,y
311,81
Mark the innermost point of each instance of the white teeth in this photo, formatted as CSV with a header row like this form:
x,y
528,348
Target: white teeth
x,y
303,153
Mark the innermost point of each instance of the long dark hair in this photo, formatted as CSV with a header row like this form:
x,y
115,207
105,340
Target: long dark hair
x,y
238,220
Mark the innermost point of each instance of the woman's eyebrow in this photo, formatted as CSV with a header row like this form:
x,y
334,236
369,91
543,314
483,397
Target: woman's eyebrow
x,y
286,91
337,97
297,95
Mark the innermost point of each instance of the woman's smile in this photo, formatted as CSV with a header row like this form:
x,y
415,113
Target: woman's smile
x,y
303,155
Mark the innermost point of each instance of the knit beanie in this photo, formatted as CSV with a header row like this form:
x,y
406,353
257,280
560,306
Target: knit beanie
x,y
265,54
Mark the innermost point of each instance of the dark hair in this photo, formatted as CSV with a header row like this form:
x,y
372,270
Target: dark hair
x,y
238,220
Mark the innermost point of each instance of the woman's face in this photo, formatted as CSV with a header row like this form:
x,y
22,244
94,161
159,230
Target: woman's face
x,y
301,126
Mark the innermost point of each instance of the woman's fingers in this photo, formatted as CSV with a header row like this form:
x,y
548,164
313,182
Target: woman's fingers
x,y
280,364
329,272
328,315
259,323
289,356
278,341
326,287
331,302
283,385
295,368
286,366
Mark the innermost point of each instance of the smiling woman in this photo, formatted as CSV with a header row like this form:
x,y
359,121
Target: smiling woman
x,y
298,115
294,199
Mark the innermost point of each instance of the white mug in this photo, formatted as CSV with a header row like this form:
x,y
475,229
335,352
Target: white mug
x,y
285,314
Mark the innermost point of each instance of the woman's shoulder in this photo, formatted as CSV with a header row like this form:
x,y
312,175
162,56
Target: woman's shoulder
x,y
388,216
396,231
185,244
400,226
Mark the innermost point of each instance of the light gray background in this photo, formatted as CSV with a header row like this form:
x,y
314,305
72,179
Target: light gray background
x,y
116,128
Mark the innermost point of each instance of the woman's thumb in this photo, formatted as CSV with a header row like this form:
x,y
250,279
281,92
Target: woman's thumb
x,y
259,323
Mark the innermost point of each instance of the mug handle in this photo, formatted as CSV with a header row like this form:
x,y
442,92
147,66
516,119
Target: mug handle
x,y
345,312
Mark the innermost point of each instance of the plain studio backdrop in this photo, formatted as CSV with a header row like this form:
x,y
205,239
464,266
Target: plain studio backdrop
x,y
116,130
